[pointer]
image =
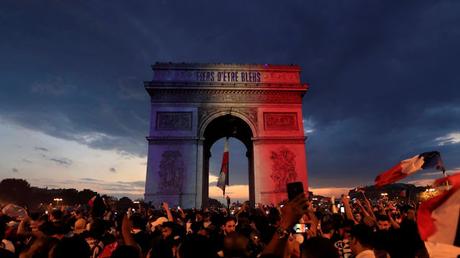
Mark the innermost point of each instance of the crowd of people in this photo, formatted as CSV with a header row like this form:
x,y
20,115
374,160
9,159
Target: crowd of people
x,y
345,227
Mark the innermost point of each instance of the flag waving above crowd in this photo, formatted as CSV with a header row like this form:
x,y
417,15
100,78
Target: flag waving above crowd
x,y
439,218
409,166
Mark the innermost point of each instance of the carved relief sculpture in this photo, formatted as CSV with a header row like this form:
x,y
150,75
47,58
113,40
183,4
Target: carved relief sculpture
x,y
171,172
174,121
283,168
281,121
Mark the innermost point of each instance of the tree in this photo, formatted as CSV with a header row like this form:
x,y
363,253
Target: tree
x,y
15,190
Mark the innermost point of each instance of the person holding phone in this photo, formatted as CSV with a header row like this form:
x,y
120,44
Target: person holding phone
x,y
291,213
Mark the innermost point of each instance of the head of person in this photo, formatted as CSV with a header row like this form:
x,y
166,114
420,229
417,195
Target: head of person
x,y
345,228
358,217
137,221
409,213
327,228
236,245
79,226
97,229
361,237
383,223
198,216
318,247
229,225
167,230
73,247
195,246
56,215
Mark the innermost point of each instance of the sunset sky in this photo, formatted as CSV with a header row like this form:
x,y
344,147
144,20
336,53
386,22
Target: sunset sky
x,y
383,76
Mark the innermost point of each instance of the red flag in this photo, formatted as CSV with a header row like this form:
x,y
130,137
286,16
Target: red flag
x,y
438,218
223,176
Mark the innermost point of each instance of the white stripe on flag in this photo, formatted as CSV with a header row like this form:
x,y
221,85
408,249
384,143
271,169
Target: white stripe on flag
x,y
226,145
409,166
446,219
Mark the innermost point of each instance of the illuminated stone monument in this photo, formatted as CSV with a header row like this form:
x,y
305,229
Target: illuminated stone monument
x,y
194,105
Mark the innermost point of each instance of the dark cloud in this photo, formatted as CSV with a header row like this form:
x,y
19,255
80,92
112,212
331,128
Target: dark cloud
x,y
41,149
113,170
15,170
62,161
54,87
134,184
90,179
383,74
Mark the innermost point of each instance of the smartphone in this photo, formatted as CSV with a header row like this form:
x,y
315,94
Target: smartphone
x,y
294,189
301,227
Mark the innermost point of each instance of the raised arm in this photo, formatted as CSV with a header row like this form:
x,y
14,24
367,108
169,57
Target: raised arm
x,y
22,225
290,214
313,219
333,207
361,207
168,212
348,211
126,233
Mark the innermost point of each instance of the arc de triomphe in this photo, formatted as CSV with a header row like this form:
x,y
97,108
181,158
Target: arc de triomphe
x,y
194,105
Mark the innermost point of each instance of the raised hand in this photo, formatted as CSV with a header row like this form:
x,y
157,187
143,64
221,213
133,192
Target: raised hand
x,y
293,210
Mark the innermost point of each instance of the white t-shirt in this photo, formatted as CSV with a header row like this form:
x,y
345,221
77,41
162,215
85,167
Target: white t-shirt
x,y
366,254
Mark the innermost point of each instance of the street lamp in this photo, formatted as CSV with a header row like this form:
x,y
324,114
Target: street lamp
x,y
57,200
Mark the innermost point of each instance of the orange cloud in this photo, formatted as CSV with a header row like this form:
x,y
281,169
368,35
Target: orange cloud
x,y
240,192
330,191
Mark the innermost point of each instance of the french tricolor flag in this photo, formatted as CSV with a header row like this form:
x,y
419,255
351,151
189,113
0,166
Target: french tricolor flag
x,y
223,176
438,219
410,166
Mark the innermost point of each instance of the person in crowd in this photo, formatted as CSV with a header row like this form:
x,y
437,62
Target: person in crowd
x,y
70,247
361,238
319,247
139,232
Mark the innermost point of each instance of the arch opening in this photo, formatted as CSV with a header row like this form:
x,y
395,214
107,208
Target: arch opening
x,y
221,127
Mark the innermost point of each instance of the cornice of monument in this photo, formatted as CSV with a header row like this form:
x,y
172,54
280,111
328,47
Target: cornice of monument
x,y
278,139
174,95
216,86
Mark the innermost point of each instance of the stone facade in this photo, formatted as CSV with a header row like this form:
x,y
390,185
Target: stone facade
x,y
187,98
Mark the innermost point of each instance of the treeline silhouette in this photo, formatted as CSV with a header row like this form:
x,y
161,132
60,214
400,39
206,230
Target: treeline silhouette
x,y
20,192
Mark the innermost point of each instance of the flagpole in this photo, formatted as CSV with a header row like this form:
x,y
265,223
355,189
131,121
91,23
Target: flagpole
x,y
227,178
